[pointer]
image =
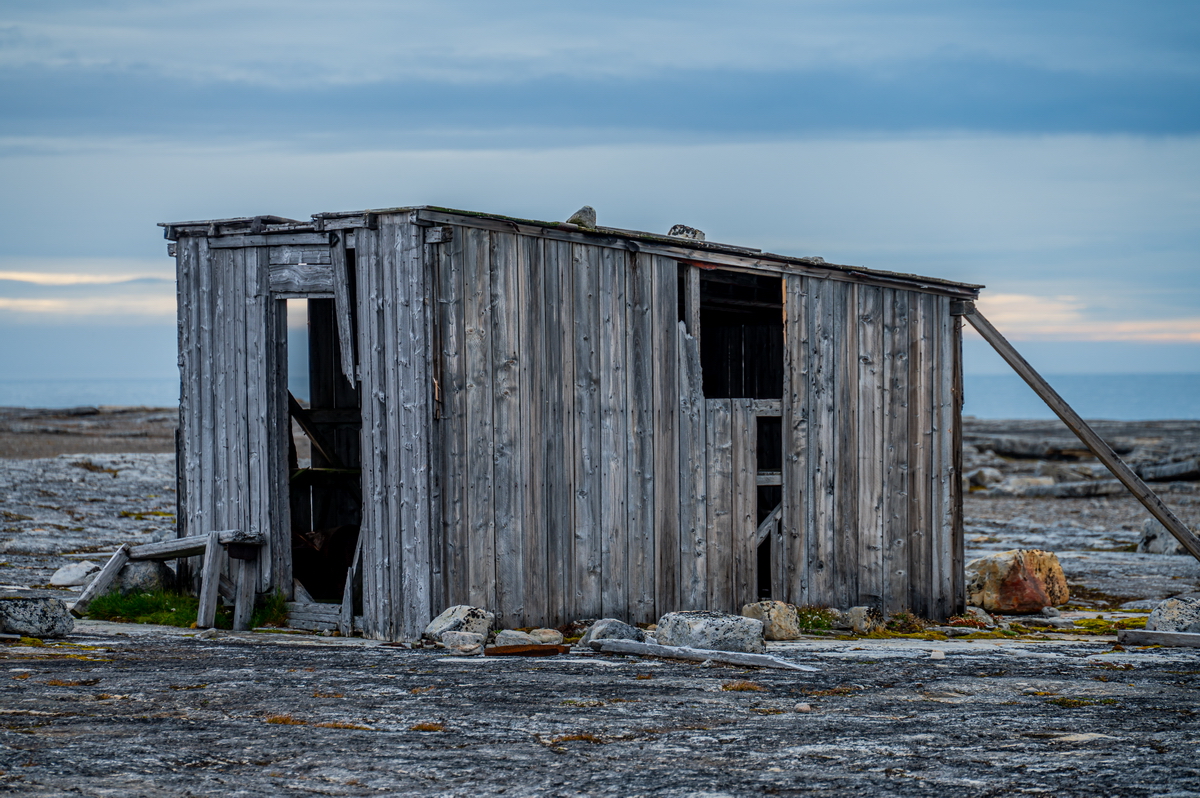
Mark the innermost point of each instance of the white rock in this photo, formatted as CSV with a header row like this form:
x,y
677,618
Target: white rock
x,y
984,477
460,618
937,653
864,620
511,637
77,573
779,619
547,637
1157,540
463,642
35,617
612,629
712,630
1175,615
804,707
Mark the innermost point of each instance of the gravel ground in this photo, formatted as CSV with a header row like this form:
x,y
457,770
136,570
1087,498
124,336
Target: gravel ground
x,y
158,713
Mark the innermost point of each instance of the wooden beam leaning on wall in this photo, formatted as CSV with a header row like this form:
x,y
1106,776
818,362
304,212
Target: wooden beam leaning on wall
x,y
1094,442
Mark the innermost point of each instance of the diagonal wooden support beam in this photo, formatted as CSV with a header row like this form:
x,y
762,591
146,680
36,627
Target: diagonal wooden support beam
x,y
1094,442
318,441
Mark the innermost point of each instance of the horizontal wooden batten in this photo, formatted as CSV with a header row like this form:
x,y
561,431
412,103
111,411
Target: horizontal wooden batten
x,y
302,278
747,262
276,240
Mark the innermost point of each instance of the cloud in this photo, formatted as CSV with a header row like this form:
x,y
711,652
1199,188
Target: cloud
x,y
44,278
99,306
1066,318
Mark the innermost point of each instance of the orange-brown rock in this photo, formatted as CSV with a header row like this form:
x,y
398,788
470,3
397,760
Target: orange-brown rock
x,y
1018,580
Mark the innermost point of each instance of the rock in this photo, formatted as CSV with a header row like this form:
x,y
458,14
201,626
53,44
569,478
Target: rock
x,y
612,629
1018,485
838,619
1050,612
511,637
683,231
584,217
35,617
144,576
780,620
1175,615
460,618
1157,540
937,653
207,634
804,707
77,573
981,614
712,630
984,477
463,642
1040,622
1018,580
864,620
547,637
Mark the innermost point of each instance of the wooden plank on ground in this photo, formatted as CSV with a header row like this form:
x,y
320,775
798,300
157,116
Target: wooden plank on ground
x,y
102,581
698,655
1143,637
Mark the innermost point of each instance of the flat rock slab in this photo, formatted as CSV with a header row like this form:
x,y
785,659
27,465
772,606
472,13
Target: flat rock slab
x,y
159,712
35,617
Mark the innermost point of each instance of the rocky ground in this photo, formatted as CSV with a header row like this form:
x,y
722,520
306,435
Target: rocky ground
x,y
124,710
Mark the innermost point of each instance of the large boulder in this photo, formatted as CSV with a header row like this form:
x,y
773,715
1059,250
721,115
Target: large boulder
x,y
1016,581
712,630
1157,540
511,637
144,576
612,629
35,617
546,637
460,618
463,642
780,620
1175,615
864,620
77,573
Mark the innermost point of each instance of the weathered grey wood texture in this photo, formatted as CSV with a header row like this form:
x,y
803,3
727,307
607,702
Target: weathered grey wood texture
x,y
233,372
871,486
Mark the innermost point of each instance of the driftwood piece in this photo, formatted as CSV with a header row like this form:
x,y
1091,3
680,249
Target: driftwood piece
x,y
1142,637
696,655
103,581
532,650
1094,442
1180,470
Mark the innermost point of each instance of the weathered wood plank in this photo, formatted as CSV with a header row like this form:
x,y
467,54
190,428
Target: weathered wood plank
x,y
238,477
719,494
822,464
614,437
374,429
243,602
896,451
190,401
944,473
479,503
278,435
871,411
453,422
558,419
204,518
790,543
280,240
691,301
958,556
639,385
666,392
1143,637
846,525
102,581
745,503
343,303
586,323
920,439
693,500
300,256
258,496
214,557
531,332
191,546
507,434
1094,442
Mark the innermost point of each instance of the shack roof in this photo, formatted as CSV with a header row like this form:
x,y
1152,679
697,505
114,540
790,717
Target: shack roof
x,y
687,249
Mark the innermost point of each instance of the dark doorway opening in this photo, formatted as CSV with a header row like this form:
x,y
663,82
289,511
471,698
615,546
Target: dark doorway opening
x,y
770,471
741,335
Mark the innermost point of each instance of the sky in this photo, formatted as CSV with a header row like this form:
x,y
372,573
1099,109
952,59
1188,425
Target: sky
x,y
1050,151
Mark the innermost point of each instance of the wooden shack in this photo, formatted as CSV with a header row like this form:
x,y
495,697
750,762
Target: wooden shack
x,y
559,422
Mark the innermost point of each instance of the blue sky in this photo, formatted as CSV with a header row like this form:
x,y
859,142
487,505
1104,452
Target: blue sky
x,y
1050,151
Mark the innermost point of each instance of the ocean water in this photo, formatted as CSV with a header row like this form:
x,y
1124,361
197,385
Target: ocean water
x,y
1111,396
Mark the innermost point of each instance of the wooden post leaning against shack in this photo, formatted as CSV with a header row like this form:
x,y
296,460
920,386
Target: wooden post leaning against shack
x,y
1104,453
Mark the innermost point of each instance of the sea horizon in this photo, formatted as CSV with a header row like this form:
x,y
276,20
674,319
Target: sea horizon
x,y
1119,397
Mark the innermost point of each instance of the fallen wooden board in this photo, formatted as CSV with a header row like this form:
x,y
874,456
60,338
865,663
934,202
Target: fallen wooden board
x,y
1142,637
696,654
1180,470
533,650
1093,487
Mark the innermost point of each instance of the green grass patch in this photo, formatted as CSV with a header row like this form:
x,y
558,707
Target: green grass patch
x,y
271,611
813,617
165,608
